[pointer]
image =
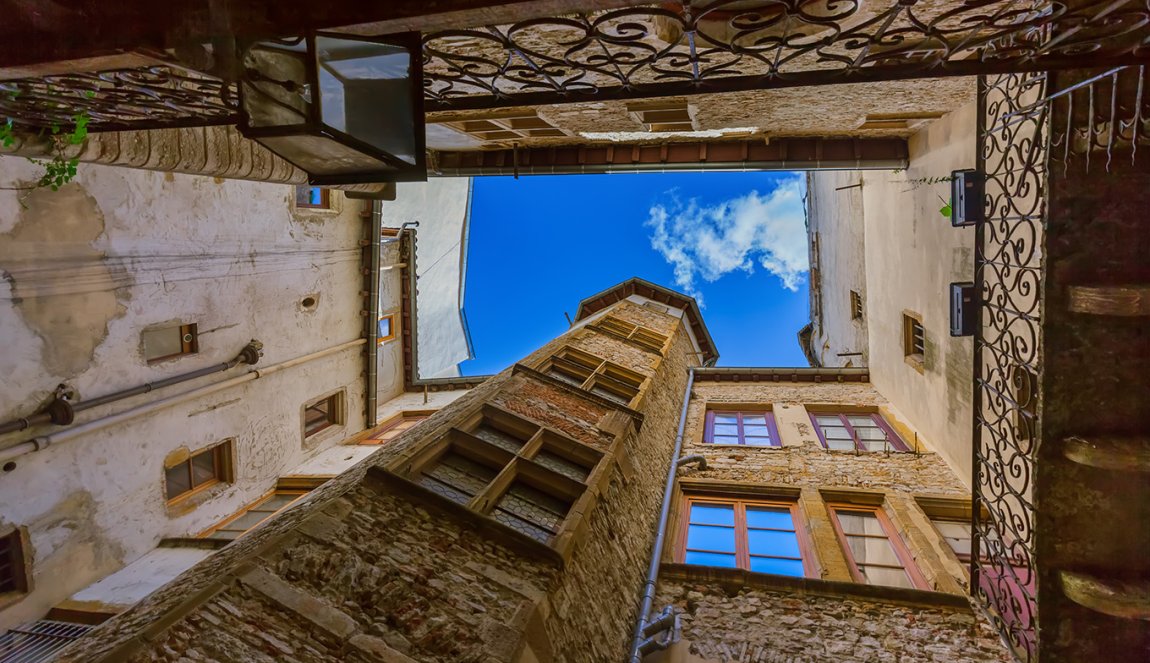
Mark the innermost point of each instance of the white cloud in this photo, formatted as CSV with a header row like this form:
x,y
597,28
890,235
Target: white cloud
x,y
708,242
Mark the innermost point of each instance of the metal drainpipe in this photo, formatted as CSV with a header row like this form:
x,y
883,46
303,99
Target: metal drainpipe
x,y
661,533
60,411
371,274
42,441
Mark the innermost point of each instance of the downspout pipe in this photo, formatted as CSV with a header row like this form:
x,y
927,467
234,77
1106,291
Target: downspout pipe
x,y
61,411
639,634
43,441
371,325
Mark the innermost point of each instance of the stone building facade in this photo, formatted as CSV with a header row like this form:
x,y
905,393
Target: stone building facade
x,y
200,345
516,523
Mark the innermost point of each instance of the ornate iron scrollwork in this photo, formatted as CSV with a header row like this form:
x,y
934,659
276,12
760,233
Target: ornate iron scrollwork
x,y
723,45
1013,150
140,98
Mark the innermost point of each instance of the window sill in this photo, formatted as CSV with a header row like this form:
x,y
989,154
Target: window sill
x,y
711,445
737,579
915,362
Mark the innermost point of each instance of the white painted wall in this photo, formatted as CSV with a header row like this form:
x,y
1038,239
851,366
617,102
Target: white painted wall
x,y
86,269
134,582
912,256
441,206
835,217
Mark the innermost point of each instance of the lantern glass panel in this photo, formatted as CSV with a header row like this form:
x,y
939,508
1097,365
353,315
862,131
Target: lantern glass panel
x,y
366,92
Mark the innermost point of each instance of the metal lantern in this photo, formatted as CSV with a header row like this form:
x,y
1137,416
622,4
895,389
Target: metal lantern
x,y
343,108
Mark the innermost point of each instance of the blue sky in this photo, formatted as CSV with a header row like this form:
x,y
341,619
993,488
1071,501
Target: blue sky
x,y
735,241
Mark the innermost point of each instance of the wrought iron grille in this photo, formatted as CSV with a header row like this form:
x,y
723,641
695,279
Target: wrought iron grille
x,y
139,98
1013,150
724,45
39,641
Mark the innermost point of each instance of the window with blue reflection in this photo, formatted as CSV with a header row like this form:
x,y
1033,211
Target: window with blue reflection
x,y
750,535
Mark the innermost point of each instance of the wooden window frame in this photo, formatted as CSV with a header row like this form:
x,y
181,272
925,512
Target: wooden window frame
x,y
393,422
508,125
19,571
300,494
856,305
643,337
334,413
188,346
653,115
901,551
614,376
772,427
913,345
390,317
897,444
742,546
325,198
222,462
510,468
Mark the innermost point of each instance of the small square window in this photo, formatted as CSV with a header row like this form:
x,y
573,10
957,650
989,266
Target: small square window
x,y
392,428
312,197
322,414
169,342
247,519
386,329
663,116
13,576
913,337
856,306
204,468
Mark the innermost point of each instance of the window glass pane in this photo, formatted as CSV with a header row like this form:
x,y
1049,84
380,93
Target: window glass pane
x,y
726,418
724,439
606,392
277,502
710,559
957,535
840,445
871,434
714,514
754,419
457,478
247,521
544,511
759,441
779,567
877,575
726,429
498,437
779,518
160,343
710,537
867,550
178,480
770,542
836,433
384,327
561,465
858,522
828,420
861,420
203,467
757,431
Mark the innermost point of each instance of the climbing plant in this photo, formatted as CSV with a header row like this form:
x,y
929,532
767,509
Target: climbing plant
x,y
59,169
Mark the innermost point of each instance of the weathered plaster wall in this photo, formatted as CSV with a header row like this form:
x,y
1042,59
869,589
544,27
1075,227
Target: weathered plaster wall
x,y
912,256
441,206
85,270
835,218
